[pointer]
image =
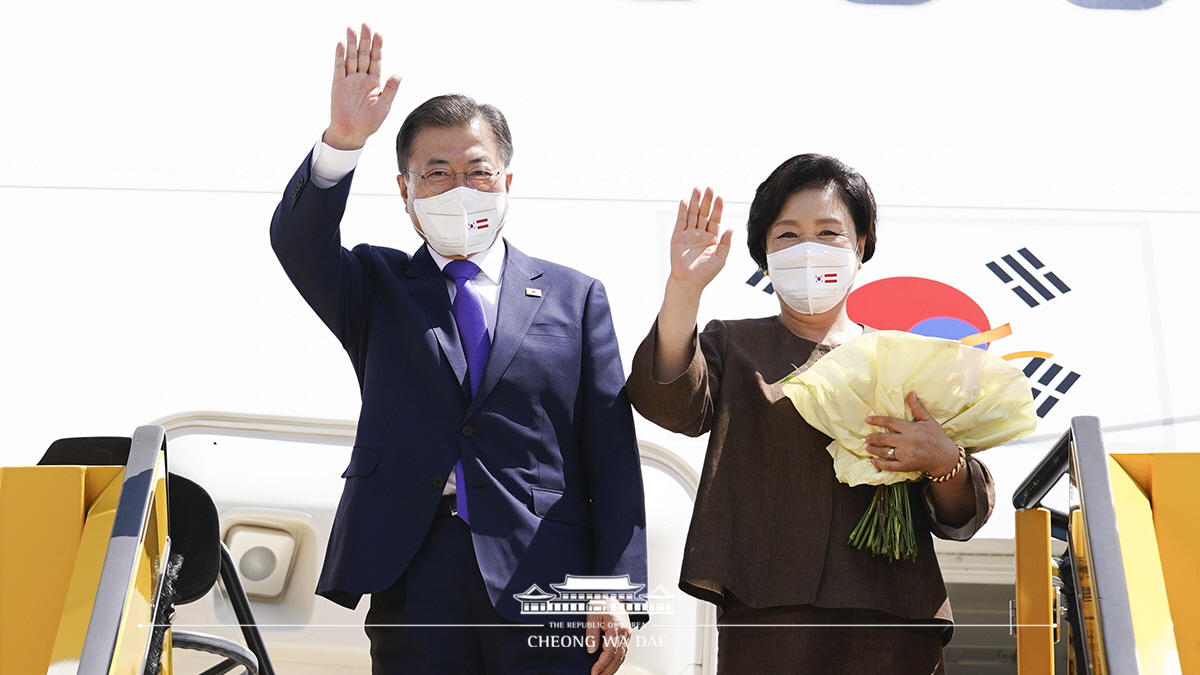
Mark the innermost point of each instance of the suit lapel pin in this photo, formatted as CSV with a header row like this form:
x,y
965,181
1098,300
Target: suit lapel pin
x,y
533,292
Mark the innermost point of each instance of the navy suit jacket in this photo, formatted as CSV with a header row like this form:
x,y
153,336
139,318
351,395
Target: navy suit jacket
x,y
550,458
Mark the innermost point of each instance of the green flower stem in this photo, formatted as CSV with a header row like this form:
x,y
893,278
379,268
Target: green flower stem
x,y
886,529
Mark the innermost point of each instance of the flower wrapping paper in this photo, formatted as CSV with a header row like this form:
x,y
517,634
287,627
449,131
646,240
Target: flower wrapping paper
x,y
980,400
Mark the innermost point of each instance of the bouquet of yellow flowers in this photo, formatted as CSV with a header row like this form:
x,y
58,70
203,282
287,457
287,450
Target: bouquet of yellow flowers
x,y
979,399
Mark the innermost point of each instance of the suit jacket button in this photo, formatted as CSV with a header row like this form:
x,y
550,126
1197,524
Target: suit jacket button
x,y
297,187
468,430
438,482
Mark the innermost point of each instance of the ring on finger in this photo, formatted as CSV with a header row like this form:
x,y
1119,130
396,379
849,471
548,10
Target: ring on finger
x,y
891,453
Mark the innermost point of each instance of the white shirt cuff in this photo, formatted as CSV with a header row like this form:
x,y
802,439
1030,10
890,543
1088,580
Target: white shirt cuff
x,y
330,165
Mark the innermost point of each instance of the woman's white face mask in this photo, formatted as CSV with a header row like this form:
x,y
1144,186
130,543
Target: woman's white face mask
x,y
812,278
461,221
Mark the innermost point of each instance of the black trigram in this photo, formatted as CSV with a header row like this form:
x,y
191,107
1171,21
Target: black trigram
x,y
1027,272
1050,386
757,279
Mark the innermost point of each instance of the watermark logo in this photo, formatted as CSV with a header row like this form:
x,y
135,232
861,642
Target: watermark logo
x,y
583,594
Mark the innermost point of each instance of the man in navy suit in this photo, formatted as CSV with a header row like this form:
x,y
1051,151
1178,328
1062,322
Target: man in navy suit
x,y
492,388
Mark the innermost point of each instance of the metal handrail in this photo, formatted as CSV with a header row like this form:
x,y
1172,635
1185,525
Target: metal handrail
x,y
1106,568
133,508
1080,452
1045,475
1030,493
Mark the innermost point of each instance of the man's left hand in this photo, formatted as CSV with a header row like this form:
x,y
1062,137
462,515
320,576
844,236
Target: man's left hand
x,y
608,615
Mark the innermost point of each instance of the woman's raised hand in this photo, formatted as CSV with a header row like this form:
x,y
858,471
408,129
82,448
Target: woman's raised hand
x,y
359,104
699,248
698,252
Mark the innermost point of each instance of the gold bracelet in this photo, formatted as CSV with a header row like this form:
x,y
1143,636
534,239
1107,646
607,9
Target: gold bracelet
x,y
962,461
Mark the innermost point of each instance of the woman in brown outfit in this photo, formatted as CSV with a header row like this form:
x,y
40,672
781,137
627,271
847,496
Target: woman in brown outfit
x,y
768,538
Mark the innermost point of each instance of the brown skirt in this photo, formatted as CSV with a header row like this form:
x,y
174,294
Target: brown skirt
x,y
829,641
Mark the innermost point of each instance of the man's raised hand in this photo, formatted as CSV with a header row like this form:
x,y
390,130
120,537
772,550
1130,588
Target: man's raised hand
x,y
359,105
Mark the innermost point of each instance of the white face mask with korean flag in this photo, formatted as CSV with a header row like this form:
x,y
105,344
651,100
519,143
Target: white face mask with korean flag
x,y
812,278
461,221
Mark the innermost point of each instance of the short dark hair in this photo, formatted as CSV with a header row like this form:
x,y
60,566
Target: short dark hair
x,y
448,111
804,172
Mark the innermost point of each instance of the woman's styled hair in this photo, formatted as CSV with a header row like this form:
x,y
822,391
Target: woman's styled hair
x,y
804,172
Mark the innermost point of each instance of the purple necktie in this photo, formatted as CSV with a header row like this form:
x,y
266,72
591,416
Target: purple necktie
x,y
472,330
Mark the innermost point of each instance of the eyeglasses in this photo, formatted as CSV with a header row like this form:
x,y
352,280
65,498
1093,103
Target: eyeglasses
x,y
438,181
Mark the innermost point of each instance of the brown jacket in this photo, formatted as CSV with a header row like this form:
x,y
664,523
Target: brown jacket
x,y
771,521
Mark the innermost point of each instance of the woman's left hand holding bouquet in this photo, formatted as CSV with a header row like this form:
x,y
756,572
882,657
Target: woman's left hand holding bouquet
x,y
922,445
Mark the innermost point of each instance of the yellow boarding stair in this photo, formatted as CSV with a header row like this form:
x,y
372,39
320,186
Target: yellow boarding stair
x,y
1130,577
